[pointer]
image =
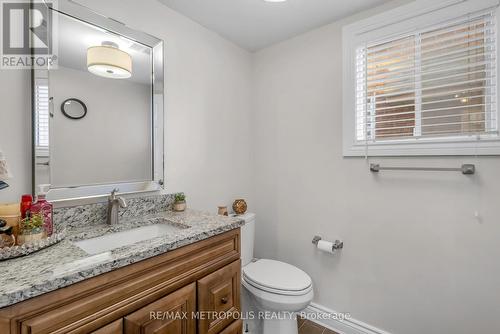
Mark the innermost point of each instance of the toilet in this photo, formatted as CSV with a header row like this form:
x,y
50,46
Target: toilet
x,y
274,288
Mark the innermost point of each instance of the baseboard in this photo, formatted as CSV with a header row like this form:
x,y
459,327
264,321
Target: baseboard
x,y
345,326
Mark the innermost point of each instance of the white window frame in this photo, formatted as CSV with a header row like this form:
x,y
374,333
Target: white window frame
x,y
391,24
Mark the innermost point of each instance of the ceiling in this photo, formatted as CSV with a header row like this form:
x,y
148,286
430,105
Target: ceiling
x,y
256,24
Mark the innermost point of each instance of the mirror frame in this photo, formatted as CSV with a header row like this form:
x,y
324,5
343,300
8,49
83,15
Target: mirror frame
x,y
95,193
72,99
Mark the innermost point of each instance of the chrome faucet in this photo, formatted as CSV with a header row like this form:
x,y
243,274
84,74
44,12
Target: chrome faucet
x,y
114,203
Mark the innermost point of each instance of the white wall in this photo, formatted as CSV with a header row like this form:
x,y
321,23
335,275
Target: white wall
x,y
117,109
207,95
415,259
15,131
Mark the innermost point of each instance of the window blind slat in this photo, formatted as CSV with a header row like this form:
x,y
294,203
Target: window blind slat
x,y
427,125
444,45
460,92
454,99
423,81
400,63
486,26
423,112
438,134
479,83
394,78
479,113
410,72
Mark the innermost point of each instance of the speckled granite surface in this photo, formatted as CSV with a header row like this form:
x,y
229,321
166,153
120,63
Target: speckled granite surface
x,y
65,263
95,214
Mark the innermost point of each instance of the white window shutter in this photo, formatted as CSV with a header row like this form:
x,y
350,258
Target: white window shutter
x,y
439,82
42,116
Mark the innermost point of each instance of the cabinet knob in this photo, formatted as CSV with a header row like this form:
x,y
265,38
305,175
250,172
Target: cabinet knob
x,y
223,300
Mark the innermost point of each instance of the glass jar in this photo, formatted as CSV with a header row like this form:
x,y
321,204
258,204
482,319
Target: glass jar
x,y
44,209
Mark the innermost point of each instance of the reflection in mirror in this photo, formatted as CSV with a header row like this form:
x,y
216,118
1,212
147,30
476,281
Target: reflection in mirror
x,y
74,109
118,143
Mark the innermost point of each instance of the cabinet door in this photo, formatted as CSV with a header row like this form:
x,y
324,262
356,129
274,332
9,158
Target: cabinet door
x,y
115,327
219,299
235,328
173,314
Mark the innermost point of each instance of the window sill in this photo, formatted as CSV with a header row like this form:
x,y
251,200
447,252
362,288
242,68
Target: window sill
x,y
490,146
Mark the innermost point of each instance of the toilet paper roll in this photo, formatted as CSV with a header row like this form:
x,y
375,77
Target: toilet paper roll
x,y
325,246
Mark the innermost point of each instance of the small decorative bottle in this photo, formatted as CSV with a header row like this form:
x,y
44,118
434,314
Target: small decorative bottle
x,y
26,202
44,208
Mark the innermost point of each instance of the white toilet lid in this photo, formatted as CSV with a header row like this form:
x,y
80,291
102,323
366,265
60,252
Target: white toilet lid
x,y
275,275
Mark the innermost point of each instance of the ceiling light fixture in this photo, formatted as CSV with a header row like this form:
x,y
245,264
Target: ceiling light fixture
x,y
108,61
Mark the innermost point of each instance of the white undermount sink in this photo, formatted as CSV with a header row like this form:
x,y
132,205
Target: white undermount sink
x,y
119,239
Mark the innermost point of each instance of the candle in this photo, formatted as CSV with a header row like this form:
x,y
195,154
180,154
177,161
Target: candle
x,y
11,213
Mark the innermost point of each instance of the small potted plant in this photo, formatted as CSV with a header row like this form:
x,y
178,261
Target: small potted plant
x,y
180,202
31,229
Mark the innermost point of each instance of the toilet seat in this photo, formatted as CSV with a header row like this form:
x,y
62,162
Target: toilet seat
x,y
277,277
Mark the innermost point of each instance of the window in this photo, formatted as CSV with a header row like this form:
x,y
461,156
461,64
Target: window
x,y
430,86
42,117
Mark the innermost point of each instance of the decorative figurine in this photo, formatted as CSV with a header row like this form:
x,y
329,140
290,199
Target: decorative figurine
x,y
240,206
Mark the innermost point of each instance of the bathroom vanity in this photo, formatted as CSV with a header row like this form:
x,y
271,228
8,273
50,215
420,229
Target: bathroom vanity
x,y
134,267
169,284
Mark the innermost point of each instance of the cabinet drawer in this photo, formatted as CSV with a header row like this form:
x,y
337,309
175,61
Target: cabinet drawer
x,y
235,328
219,299
115,327
173,314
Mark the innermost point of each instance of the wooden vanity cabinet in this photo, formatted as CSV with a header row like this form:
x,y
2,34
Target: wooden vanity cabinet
x,y
201,281
235,328
219,293
116,327
167,314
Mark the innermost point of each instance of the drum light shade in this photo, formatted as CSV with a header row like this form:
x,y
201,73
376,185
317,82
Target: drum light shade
x,y
109,61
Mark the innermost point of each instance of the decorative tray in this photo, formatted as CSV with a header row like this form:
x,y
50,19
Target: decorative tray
x,y
31,247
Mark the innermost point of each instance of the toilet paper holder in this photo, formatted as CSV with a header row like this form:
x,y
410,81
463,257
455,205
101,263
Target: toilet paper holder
x,y
337,244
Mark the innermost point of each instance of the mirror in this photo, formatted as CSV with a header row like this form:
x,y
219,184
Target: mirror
x,y
118,139
74,108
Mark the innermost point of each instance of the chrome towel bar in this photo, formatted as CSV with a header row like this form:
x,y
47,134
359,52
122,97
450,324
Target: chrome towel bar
x,y
466,169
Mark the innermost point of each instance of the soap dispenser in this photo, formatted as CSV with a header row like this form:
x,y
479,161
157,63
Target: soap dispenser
x,y
44,208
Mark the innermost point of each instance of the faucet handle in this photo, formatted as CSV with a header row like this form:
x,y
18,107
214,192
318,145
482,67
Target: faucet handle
x,y
113,193
121,202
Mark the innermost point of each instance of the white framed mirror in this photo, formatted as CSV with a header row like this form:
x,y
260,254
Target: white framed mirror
x,y
97,111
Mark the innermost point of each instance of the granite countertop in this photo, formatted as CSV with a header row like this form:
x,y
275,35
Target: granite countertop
x,y
65,263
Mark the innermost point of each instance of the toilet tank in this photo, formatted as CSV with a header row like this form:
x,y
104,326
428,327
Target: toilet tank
x,y
247,238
